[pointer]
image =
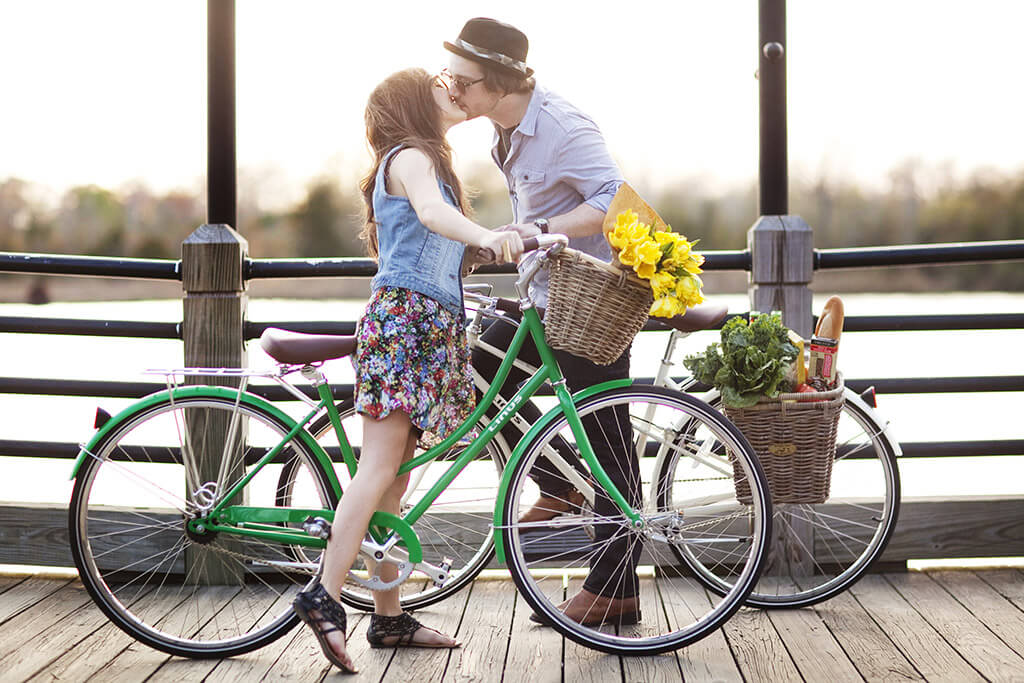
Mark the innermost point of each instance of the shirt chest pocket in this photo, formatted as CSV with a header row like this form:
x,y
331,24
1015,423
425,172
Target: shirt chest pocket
x,y
526,177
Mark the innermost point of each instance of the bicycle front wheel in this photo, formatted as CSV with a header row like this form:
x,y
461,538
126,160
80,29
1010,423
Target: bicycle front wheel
x,y
657,603
818,550
185,592
456,530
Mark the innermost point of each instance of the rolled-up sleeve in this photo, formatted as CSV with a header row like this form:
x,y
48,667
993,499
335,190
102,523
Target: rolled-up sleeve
x,y
585,164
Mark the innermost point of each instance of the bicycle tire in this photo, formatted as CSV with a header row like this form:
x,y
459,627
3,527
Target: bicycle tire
x,y
674,609
457,526
183,593
847,533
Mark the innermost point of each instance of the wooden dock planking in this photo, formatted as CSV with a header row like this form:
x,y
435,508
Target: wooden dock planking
x,y
935,626
711,658
484,633
962,629
987,605
814,649
582,663
757,647
864,642
534,648
929,653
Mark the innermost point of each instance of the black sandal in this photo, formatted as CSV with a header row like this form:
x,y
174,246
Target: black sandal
x,y
401,628
316,599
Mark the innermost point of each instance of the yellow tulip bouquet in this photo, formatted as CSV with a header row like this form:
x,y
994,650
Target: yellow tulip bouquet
x,y
662,257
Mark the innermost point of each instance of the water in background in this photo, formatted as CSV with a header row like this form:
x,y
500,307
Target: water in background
x,y
929,417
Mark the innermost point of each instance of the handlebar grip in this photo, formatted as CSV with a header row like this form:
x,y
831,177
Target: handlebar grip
x,y
531,244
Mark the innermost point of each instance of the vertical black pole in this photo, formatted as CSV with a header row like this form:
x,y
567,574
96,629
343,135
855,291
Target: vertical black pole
x,y
221,181
773,189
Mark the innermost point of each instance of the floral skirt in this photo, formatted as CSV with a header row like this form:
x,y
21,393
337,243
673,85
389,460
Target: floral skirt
x,y
412,356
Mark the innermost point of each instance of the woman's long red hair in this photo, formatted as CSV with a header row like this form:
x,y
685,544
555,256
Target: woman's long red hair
x,y
402,111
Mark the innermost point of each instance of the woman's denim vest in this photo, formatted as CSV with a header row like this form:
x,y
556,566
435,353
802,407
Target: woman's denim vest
x,y
411,256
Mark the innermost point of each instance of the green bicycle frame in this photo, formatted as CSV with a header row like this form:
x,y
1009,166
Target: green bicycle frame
x,y
264,522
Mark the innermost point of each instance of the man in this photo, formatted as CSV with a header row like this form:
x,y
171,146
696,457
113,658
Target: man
x,y
561,179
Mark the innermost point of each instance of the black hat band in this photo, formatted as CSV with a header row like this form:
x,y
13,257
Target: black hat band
x,y
504,60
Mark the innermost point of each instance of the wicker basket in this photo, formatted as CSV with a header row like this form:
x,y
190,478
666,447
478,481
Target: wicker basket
x,y
794,436
594,308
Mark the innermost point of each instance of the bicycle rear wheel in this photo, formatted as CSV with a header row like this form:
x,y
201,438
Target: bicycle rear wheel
x,y
455,532
827,546
673,607
187,593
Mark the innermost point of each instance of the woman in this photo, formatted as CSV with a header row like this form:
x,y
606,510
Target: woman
x,y
412,360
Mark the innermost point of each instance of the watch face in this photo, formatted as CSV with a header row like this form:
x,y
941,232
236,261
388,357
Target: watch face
x,y
542,223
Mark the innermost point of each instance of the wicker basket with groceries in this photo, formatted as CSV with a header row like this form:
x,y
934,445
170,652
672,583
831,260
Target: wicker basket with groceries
x,y
785,394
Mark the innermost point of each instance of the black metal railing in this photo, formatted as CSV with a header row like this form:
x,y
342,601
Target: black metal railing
x,y
361,267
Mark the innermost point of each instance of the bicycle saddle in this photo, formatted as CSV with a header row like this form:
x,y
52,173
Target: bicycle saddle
x,y
286,346
700,317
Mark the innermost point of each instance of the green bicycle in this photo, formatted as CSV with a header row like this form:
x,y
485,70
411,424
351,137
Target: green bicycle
x,y
200,511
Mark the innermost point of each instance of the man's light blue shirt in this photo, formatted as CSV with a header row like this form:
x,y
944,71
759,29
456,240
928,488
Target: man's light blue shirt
x,y
558,160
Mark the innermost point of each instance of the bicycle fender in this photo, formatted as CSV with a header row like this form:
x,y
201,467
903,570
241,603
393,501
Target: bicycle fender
x,y
517,454
190,392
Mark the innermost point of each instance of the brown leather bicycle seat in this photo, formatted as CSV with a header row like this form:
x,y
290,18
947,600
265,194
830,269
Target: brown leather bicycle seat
x,y
700,317
286,346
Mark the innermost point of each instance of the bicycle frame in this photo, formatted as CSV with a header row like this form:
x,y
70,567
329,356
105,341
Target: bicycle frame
x,y
264,523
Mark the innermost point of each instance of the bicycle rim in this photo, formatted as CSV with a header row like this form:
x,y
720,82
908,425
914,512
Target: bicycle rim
x,y
817,551
189,594
455,532
591,546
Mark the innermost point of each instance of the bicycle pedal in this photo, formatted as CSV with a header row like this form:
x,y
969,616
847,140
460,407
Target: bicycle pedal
x,y
445,567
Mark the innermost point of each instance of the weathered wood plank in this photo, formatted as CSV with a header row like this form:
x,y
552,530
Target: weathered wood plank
x,y
1009,583
28,593
933,657
959,627
582,663
758,648
653,621
864,642
484,633
139,661
250,667
534,648
93,653
990,607
37,637
710,658
814,649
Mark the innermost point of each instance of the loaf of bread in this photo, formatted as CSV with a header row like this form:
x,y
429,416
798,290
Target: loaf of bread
x,y
830,323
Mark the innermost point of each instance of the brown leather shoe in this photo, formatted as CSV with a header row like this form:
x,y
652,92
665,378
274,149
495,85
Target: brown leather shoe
x,y
591,609
549,507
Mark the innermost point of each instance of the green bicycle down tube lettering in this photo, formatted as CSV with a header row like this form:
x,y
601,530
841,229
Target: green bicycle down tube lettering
x,y
269,457
499,380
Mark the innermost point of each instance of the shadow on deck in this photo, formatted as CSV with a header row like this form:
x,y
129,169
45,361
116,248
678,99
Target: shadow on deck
x,y
936,625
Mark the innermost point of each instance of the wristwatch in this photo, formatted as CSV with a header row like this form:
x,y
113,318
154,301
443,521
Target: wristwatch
x,y
542,223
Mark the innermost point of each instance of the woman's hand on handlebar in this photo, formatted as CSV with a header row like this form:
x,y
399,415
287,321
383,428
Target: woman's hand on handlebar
x,y
505,246
485,255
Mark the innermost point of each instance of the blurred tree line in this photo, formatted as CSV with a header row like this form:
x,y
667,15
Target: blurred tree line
x,y
916,207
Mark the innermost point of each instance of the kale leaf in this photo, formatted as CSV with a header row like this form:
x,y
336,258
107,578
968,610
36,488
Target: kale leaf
x,y
749,363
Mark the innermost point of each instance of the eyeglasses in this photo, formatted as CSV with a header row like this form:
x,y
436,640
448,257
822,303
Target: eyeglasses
x,y
453,82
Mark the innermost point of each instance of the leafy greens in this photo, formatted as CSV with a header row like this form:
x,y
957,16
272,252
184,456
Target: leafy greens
x,y
749,363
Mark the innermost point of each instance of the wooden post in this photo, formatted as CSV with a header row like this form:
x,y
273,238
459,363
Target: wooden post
x,y
782,265
215,300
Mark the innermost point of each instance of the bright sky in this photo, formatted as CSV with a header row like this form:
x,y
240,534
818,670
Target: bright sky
x,y
112,91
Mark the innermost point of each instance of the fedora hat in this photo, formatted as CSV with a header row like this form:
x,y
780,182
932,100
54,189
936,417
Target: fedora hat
x,y
493,44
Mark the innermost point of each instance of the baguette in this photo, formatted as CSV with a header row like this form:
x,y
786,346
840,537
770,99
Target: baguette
x,y
830,323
